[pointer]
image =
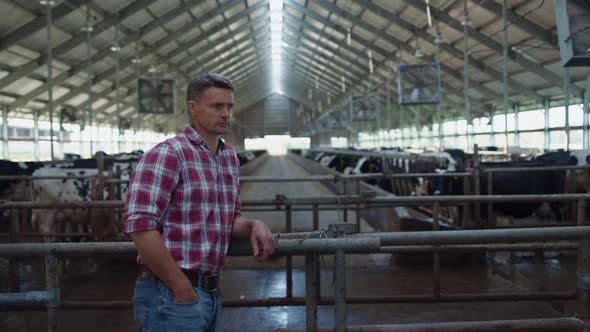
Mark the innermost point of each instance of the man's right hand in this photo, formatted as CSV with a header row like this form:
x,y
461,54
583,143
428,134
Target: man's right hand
x,y
185,295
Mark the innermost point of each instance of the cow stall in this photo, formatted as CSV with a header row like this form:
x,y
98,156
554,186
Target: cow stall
x,y
454,173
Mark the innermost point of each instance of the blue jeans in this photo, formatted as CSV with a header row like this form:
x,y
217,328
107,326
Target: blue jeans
x,y
154,309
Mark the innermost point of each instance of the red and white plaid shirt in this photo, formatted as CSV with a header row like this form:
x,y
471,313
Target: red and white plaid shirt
x,y
189,195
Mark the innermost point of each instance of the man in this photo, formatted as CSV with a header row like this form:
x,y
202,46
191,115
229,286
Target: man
x,y
183,209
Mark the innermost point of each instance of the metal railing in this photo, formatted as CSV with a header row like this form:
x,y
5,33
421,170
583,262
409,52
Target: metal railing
x,y
311,248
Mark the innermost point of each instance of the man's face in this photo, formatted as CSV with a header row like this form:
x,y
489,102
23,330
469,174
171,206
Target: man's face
x,y
210,115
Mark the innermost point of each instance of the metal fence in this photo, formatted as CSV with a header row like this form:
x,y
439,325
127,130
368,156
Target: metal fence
x,y
311,248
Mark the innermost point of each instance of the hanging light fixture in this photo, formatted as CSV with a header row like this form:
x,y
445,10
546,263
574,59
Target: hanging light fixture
x,y
348,37
428,13
418,53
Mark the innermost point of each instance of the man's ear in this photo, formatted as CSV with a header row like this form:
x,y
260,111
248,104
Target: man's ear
x,y
192,107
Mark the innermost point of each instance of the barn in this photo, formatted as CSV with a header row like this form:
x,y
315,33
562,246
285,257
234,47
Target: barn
x,y
294,165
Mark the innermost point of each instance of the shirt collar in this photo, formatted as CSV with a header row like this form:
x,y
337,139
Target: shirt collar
x,y
196,138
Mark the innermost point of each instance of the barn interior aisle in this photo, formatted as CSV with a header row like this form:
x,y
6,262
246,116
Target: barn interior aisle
x,y
282,166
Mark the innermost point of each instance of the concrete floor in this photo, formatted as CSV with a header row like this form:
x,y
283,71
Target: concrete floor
x,y
367,275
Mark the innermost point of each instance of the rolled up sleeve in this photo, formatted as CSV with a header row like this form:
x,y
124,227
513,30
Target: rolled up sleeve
x,y
150,189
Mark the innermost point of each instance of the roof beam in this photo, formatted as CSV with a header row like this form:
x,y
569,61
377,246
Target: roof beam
x,y
531,66
152,49
444,46
39,23
404,46
124,63
132,77
384,53
526,25
73,42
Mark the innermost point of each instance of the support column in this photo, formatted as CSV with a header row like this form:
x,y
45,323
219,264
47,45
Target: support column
x,y
441,135
585,134
4,133
311,302
60,139
437,41
492,132
340,290
401,125
516,108
89,78
546,132
566,100
467,110
117,92
49,4
418,127
36,135
505,72
583,280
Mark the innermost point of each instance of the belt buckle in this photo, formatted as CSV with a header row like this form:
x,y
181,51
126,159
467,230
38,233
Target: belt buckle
x,y
210,282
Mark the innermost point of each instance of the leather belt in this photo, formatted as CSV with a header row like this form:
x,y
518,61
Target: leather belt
x,y
209,282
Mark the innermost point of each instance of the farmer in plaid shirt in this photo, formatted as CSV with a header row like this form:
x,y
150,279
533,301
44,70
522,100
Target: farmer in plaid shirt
x,y
183,210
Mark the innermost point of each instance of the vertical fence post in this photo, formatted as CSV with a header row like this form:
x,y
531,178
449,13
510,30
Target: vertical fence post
x,y
52,285
581,209
476,181
14,272
465,222
316,216
100,169
358,206
345,187
340,290
316,226
289,257
491,214
436,252
583,280
311,303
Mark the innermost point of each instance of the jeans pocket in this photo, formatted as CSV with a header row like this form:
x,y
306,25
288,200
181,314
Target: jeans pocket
x,y
168,296
140,313
192,316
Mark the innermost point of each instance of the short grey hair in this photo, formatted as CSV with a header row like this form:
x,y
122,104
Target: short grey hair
x,y
201,82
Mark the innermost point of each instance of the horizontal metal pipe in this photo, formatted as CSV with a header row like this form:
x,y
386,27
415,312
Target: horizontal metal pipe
x,y
349,245
481,247
64,205
482,236
47,177
340,200
361,243
565,224
310,178
27,299
323,177
542,324
324,207
300,301
31,234
532,169
429,175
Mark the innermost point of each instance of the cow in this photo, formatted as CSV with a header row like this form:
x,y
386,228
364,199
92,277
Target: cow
x,y
103,224
74,189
